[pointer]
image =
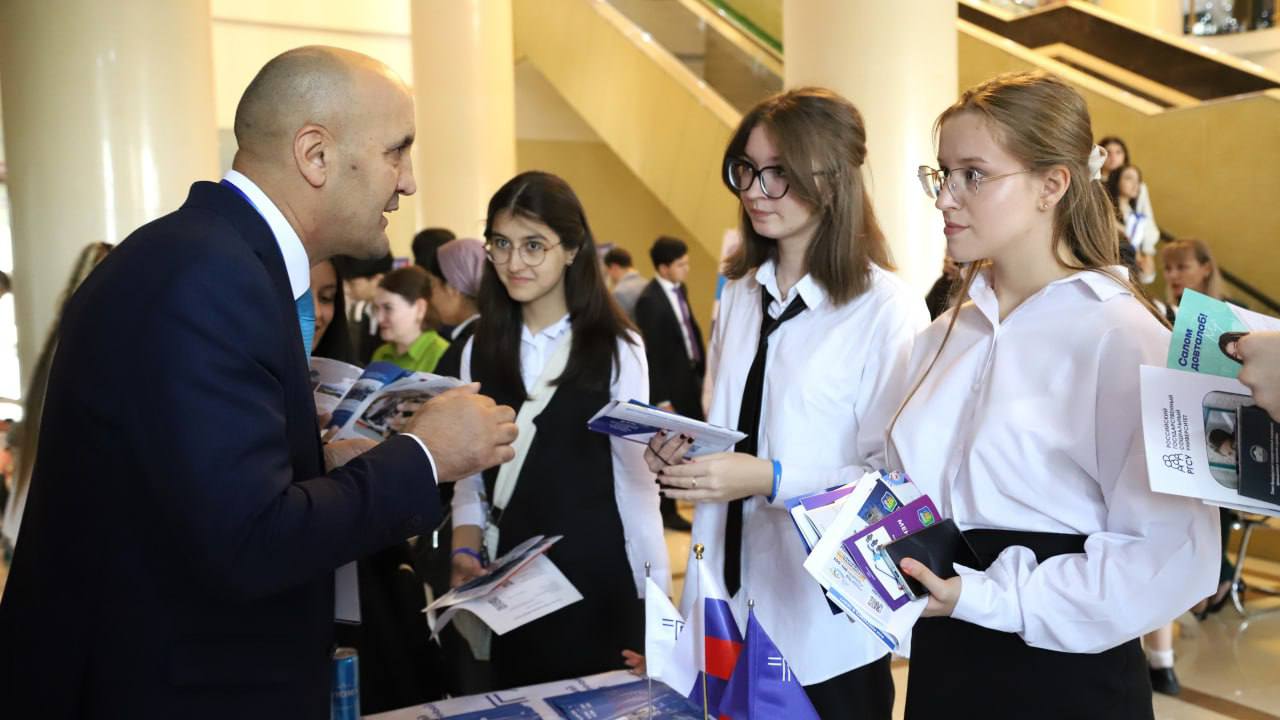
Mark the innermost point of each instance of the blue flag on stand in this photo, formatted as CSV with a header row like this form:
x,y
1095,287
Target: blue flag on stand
x,y
762,685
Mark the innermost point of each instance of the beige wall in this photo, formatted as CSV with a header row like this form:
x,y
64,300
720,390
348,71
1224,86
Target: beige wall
x,y
1209,168
765,14
621,210
248,33
1162,15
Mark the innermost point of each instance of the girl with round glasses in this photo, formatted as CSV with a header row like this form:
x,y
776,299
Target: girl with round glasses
x,y
1023,425
552,343
813,326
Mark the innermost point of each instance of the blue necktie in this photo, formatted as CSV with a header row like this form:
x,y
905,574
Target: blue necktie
x,y
306,319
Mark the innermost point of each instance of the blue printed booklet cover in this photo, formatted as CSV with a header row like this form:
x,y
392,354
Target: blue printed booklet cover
x,y
625,702
636,421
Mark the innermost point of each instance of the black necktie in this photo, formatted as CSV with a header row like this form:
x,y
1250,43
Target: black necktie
x,y
749,423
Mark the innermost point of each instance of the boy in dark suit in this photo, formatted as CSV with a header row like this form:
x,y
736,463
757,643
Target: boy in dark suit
x,y
672,342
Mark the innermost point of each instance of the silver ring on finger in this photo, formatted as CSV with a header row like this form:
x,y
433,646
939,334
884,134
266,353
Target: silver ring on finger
x,y
693,483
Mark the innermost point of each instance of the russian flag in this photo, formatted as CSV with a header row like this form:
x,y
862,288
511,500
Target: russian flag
x,y
721,645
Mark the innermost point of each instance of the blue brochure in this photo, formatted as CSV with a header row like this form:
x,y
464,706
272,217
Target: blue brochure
x,y
625,701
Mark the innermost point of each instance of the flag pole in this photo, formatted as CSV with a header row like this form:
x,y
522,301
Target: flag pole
x,y
647,676
697,554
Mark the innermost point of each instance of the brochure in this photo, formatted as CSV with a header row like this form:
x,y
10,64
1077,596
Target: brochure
x,y
519,588
330,381
635,421
847,585
378,403
867,549
492,704
1206,331
639,700
1202,434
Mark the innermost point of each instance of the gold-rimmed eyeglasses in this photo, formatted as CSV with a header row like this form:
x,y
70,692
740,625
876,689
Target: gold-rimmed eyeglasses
x,y
961,182
532,252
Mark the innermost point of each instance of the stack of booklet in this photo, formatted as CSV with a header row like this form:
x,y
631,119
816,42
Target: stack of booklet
x,y
846,530
1204,436
372,403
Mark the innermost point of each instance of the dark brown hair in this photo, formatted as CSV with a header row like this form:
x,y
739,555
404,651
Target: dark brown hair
x,y
412,283
822,145
596,319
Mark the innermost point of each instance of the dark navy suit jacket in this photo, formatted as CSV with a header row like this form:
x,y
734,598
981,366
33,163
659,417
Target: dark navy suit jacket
x,y
177,553
672,377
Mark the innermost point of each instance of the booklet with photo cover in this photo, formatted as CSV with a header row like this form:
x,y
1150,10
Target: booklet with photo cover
x,y
1258,449
1194,412
377,403
867,548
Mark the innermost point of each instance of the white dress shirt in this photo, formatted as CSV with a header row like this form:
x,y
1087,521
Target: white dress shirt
x,y
825,368
296,262
670,288
1033,423
633,484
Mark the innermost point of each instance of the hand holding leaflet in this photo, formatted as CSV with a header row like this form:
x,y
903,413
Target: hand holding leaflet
x,y
519,588
635,421
1203,436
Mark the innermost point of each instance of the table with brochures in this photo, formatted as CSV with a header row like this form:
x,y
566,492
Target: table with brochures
x,y
609,694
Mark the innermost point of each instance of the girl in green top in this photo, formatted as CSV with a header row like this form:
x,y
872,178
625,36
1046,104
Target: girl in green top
x,y
400,307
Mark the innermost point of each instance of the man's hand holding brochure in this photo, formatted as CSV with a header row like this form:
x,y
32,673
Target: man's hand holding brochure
x,y
1204,436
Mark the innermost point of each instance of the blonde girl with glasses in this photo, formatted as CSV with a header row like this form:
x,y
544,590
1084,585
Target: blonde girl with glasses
x,y
552,343
1023,424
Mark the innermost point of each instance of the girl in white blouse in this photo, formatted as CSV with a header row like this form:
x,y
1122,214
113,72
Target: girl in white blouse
x,y
812,276
552,343
1023,425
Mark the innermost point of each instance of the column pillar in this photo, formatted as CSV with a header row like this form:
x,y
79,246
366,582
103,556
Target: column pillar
x,y
108,118
464,95
897,62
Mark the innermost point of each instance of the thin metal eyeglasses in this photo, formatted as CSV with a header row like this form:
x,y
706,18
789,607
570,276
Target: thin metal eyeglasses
x,y
971,180
532,252
739,173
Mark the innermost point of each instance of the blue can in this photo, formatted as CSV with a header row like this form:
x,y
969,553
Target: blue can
x,y
344,704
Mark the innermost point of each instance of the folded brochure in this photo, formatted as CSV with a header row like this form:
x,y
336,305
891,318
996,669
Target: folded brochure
x,y
635,421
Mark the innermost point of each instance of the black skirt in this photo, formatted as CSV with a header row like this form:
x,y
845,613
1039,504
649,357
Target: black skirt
x,y
962,670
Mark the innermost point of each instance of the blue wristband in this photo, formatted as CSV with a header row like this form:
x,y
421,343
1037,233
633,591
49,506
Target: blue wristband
x,y
777,479
469,552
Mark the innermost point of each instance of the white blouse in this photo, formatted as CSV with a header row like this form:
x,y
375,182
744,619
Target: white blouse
x,y
634,488
825,369
1033,423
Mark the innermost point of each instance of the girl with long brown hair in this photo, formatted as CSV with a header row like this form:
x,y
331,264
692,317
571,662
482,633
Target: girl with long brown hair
x,y
1023,424
812,327
551,342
